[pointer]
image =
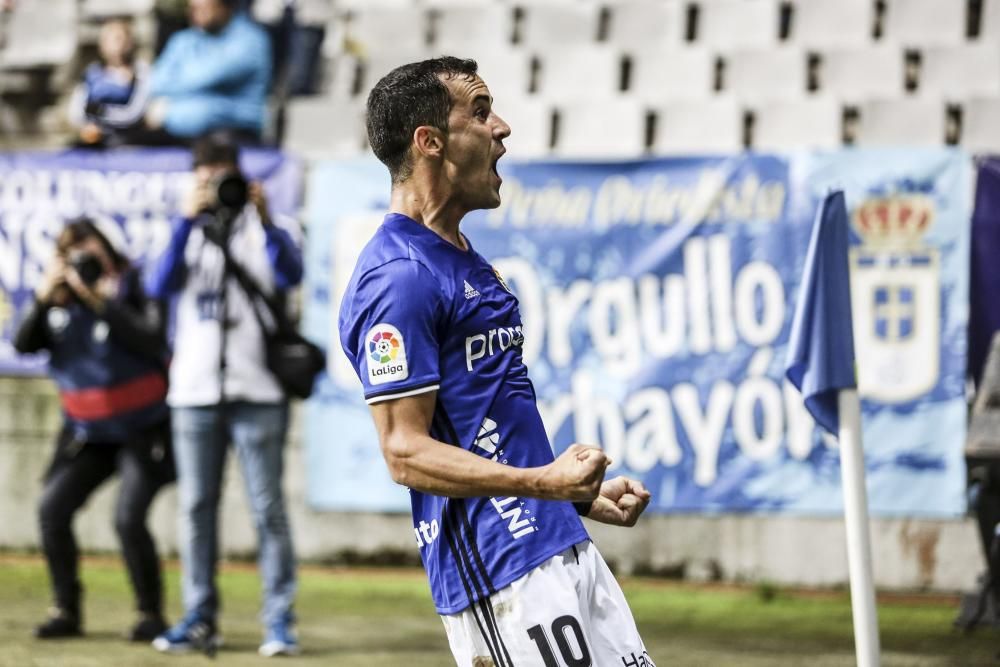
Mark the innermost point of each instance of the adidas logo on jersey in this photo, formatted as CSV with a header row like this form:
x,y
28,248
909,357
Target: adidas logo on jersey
x,y
470,291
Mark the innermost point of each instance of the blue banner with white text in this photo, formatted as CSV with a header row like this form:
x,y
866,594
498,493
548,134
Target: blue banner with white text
x,y
657,297
132,191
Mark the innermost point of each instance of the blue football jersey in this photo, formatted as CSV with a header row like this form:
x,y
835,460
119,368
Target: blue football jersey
x,y
421,315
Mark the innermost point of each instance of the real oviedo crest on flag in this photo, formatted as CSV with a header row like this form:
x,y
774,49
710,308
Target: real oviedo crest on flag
x,y
386,354
896,300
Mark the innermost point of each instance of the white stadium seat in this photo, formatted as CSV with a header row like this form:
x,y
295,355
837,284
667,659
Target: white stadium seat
x,y
467,30
766,74
323,128
989,22
906,121
961,71
690,128
726,25
648,23
507,73
55,19
857,74
551,23
815,122
378,65
582,71
609,129
662,75
530,121
379,29
104,8
919,23
980,129
832,23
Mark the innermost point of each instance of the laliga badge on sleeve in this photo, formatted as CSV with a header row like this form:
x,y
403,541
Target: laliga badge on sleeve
x,y
386,355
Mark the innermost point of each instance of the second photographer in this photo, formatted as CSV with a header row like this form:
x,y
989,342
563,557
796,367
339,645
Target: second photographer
x,y
222,392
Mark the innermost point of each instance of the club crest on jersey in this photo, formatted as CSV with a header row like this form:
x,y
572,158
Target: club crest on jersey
x,y
386,355
503,283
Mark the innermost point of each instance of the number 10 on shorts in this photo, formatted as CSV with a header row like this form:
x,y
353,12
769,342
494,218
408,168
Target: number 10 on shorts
x,y
574,652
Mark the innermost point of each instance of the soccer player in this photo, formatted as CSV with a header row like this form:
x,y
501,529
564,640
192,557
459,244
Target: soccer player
x,y
435,336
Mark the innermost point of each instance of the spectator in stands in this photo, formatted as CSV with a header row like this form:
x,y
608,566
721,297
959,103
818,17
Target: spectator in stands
x,y
108,358
222,391
212,76
111,100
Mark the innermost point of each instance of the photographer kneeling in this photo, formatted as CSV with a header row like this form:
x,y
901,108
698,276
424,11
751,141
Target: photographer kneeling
x,y
222,391
108,358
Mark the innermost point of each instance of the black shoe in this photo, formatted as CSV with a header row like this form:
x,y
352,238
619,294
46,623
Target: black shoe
x,y
148,628
61,623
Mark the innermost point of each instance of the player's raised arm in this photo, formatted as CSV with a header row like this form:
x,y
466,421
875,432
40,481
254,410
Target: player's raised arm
x,y
420,462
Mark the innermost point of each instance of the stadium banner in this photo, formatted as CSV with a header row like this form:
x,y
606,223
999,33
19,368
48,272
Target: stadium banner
x,y
657,298
134,192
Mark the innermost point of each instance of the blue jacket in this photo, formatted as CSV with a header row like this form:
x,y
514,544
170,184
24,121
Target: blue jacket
x,y
214,81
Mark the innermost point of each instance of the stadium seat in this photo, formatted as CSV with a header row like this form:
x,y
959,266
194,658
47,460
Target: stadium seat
x,y
691,128
766,74
322,128
467,30
553,23
917,121
96,9
507,73
857,74
582,71
815,122
961,71
55,20
980,129
307,12
530,121
989,21
726,25
647,24
385,30
920,23
379,64
663,74
819,24
610,129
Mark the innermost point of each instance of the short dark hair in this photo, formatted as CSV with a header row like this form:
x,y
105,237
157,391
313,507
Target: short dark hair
x,y
82,228
403,100
214,150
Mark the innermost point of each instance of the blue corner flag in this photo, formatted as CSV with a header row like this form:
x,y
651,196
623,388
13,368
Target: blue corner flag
x,y
821,347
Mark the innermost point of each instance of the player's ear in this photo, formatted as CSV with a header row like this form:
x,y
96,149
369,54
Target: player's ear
x,y
428,141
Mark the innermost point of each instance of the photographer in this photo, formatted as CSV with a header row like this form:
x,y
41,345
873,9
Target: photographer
x,y
108,359
222,392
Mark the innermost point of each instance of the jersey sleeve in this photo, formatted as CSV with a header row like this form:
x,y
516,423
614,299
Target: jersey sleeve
x,y
389,330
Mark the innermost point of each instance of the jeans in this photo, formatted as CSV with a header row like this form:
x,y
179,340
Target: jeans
x,y
77,470
257,432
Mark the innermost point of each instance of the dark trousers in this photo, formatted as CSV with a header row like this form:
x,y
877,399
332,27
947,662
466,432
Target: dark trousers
x,y
76,472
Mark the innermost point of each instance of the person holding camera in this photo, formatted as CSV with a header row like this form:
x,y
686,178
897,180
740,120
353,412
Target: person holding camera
x,y
108,358
222,392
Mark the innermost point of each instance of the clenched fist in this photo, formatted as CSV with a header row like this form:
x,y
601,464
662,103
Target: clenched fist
x,y
620,502
576,475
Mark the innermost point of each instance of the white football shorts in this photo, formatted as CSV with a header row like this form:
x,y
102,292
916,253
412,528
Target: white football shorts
x,y
567,612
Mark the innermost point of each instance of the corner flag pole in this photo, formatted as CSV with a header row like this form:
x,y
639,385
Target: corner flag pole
x,y
821,365
859,552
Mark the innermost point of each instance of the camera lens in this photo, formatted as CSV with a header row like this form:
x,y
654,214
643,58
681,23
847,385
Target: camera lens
x,y
232,191
88,267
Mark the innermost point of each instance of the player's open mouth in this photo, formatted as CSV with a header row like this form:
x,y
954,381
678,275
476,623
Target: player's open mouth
x,y
493,166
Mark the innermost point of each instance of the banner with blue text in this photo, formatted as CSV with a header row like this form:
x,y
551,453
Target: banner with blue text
x,y
657,298
134,191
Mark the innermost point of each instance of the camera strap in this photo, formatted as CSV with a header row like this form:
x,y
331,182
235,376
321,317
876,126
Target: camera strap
x,y
279,320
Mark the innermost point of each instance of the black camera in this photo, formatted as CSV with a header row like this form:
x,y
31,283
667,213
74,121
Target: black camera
x,y
88,267
232,191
